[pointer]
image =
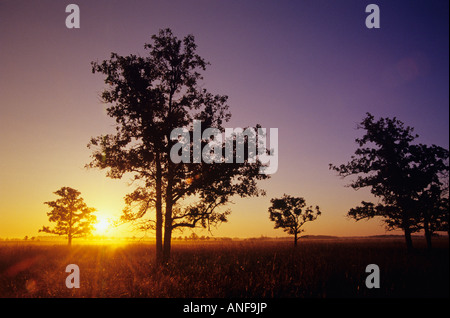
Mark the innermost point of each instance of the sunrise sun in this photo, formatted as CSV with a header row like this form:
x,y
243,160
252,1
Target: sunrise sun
x,y
102,226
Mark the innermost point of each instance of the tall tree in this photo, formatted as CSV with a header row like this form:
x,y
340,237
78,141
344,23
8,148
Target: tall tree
x,y
149,97
290,213
395,170
72,216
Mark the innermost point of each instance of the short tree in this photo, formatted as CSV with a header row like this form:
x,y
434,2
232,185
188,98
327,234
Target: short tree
x,y
290,213
72,216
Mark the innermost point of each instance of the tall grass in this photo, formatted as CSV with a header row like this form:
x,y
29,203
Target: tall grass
x,y
316,268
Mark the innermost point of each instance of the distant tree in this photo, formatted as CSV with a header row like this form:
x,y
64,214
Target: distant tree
x,y
193,237
149,97
290,213
72,216
396,171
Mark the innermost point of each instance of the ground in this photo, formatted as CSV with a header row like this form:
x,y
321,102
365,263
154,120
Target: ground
x,y
316,268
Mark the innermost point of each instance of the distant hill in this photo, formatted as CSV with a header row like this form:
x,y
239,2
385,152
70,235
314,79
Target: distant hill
x,y
322,237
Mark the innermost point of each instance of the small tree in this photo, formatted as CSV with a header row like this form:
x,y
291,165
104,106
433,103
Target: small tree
x,y
72,216
290,213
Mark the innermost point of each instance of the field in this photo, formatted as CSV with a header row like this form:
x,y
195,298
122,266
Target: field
x,y
327,268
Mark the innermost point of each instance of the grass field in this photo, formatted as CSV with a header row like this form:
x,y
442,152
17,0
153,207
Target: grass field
x,y
316,268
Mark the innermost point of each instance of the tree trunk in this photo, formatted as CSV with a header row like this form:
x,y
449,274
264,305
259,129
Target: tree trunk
x,y
69,235
406,225
167,243
169,197
167,233
426,227
295,239
158,207
408,239
168,216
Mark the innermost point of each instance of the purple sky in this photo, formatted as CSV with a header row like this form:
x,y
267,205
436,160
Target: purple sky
x,y
309,68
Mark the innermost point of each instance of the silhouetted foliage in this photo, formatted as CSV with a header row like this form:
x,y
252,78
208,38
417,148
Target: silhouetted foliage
x,y
72,216
432,170
149,97
405,176
290,213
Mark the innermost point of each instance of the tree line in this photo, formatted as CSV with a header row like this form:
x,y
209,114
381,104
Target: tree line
x,y
150,96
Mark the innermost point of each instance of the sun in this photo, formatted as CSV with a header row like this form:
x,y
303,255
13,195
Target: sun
x,y
102,226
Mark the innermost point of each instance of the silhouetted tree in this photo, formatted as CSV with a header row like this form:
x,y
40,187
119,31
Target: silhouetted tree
x,y
194,237
395,170
431,171
72,216
149,97
290,213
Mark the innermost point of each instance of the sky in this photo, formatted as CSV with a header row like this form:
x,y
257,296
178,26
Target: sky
x,y
312,69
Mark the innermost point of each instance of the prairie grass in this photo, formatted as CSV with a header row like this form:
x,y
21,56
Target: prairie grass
x,y
272,269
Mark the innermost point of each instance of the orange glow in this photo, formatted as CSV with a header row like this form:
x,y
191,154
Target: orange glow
x,y
102,226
